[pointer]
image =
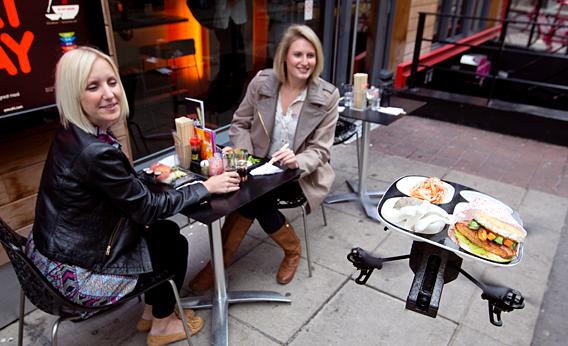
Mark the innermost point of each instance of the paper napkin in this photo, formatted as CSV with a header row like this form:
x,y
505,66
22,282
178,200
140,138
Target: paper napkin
x,y
266,169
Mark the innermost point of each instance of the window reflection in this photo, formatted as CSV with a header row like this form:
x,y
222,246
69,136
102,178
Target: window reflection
x,y
170,49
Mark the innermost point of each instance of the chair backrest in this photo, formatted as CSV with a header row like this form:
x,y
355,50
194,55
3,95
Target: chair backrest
x,y
42,293
289,202
344,130
38,290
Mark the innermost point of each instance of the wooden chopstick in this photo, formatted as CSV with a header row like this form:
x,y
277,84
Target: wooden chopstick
x,y
284,147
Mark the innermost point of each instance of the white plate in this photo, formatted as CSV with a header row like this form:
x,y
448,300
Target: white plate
x,y
405,184
390,214
470,195
53,16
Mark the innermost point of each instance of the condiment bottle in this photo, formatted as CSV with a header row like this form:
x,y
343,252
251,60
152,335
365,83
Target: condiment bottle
x,y
195,149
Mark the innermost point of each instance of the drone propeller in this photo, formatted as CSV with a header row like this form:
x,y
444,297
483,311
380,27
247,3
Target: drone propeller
x,y
499,298
365,263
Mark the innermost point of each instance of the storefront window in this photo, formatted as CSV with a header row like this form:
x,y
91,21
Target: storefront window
x,y
209,50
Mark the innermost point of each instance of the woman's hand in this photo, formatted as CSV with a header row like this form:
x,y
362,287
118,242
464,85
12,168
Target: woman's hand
x,y
223,183
286,158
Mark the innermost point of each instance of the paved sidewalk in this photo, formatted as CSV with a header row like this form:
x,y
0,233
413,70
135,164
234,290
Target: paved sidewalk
x,y
331,309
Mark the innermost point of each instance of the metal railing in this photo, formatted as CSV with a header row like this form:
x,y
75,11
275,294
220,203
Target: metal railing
x,y
499,48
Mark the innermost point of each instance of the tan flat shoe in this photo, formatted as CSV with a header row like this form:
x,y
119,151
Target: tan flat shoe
x,y
195,325
161,340
145,325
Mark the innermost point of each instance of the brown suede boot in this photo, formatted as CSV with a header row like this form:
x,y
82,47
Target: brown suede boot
x,y
233,232
287,239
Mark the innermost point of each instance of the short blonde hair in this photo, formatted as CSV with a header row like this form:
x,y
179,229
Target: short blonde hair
x,y
293,33
71,76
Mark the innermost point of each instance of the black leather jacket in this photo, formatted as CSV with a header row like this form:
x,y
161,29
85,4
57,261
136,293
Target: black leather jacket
x,y
92,208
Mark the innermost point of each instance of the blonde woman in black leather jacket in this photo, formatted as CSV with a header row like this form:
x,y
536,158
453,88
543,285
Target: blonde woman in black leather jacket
x,y
99,230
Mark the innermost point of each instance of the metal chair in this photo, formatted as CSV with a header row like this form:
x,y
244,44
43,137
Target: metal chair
x,y
301,201
344,130
45,297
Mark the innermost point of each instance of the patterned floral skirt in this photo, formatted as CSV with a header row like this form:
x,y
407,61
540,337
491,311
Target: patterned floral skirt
x,y
80,285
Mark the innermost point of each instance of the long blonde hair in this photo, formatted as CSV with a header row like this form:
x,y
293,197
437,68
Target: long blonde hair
x,y
71,76
293,33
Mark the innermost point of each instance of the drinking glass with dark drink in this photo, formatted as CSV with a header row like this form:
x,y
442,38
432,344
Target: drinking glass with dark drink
x,y
241,159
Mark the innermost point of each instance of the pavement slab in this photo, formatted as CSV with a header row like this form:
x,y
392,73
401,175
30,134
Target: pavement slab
x,y
258,271
508,194
551,328
544,210
360,315
466,336
396,279
331,244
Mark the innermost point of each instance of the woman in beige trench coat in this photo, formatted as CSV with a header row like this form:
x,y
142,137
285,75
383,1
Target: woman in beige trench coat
x,y
288,105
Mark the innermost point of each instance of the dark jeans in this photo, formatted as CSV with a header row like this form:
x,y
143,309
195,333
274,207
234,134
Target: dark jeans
x,y
168,251
265,209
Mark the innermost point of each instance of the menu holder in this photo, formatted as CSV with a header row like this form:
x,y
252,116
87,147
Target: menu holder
x,y
442,238
207,137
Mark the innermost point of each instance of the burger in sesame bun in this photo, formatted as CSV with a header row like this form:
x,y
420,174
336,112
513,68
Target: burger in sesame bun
x,y
489,237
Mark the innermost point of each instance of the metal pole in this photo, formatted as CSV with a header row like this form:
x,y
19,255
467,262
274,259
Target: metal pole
x,y
378,49
534,23
498,60
342,56
354,43
334,72
327,39
417,47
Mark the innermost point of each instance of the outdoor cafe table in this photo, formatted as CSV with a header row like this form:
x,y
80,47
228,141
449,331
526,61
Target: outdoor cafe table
x,y
367,116
218,207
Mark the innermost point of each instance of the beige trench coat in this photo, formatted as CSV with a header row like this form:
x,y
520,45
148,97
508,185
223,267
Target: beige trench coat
x,y
314,134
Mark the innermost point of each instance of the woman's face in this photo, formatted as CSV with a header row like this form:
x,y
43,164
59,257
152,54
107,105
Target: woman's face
x,y
100,99
300,60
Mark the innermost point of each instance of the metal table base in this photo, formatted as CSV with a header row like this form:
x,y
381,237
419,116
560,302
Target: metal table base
x,y
221,298
367,199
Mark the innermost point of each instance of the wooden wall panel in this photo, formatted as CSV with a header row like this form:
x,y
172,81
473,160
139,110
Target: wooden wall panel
x,y
19,213
399,33
3,193
23,157
22,182
404,30
25,149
